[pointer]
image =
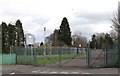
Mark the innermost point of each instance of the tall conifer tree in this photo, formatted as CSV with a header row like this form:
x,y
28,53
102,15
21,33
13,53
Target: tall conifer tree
x,y
4,37
19,33
64,32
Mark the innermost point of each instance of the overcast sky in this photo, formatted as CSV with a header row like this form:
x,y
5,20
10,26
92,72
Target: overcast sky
x,y
84,16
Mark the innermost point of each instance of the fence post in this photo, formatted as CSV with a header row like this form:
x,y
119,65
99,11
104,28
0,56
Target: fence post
x,y
17,54
77,50
88,58
31,49
35,56
60,56
119,50
106,58
105,54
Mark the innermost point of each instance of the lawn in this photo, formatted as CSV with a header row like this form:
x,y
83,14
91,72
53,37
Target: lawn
x,y
50,59
46,59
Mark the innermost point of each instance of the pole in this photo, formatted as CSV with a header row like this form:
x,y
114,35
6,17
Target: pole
x,y
88,57
60,56
31,48
118,44
118,50
44,40
106,58
44,34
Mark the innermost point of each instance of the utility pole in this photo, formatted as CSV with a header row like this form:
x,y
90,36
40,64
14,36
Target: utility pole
x,y
44,34
44,40
119,38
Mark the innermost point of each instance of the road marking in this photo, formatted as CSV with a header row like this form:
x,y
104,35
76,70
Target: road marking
x,y
12,73
34,71
56,72
85,73
44,72
82,72
53,72
74,72
64,72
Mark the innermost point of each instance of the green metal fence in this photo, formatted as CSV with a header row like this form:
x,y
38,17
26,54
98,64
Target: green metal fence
x,y
52,56
66,56
23,55
7,58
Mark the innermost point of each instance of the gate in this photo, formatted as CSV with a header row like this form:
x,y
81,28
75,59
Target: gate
x,y
112,58
96,58
61,56
102,58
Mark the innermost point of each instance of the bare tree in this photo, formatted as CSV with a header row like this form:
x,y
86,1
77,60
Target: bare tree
x,y
116,22
79,40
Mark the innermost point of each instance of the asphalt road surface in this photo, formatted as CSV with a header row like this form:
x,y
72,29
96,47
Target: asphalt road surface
x,y
24,70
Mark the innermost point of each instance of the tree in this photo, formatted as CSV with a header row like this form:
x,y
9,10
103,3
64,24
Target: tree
x,y
41,44
108,40
101,41
4,37
116,24
49,39
1,38
79,40
113,34
65,33
116,27
52,39
19,33
55,38
93,43
11,35
75,40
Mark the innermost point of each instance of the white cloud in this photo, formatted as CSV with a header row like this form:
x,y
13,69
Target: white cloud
x,y
86,16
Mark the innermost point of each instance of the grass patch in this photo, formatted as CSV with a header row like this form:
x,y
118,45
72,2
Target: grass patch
x,y
47,60
50,59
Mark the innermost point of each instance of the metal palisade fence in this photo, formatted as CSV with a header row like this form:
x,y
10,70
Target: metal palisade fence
x,y
66,56
51,56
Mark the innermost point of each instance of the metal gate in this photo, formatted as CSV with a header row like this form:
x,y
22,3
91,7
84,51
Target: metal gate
x,y
102,58
96,58
61,56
